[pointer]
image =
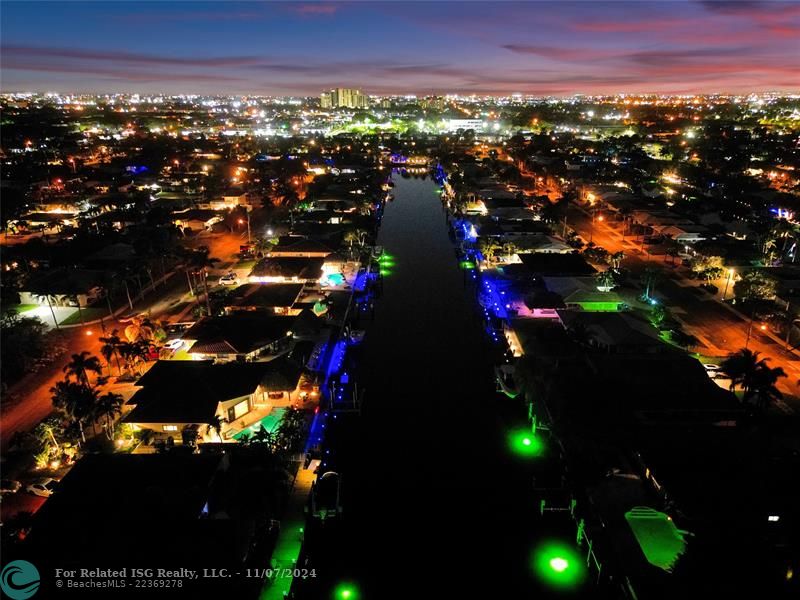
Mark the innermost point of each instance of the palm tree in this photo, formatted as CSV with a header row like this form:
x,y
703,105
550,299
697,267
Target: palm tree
x,y
650,277
580,334
351,237
605,280
108,406
756,378
80,366
263,246
266,437
110,349
76,400
215,425
133,353
46,431
487,248
509,248
615,260
765,390
199,261
291,430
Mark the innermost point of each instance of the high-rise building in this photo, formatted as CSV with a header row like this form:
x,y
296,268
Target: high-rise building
x,y
343,98
326,100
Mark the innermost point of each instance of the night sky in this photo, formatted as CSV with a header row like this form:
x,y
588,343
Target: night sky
x,y
301,48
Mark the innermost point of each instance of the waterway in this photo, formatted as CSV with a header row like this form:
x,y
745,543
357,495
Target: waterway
x,y
436,505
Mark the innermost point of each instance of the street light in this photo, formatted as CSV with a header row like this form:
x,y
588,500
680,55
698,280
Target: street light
x,y
241,222
731,273
599,218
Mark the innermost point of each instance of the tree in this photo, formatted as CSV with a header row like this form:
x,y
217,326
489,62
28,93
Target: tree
x,y
487,248
596,254
509,249
291,430
108,406
46,431
139,329
110,349
215,425
81,365
265,438
755,285
701,263
658,315
650,277
22,343
198,262
605,280
76,400
713,273
756,378
133,353
351,237
580,334
615,259
263,246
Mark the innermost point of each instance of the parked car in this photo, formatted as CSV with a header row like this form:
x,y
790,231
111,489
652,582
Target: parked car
x,y
710,288
9,486
229,279
42,487
713,370
173,344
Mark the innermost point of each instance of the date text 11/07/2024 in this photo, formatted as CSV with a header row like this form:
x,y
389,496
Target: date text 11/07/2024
x,y
262,573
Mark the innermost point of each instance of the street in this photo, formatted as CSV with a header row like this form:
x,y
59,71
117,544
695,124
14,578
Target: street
x,y
720,328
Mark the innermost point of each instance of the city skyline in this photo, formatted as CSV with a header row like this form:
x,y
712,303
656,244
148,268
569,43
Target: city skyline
x,y
304,48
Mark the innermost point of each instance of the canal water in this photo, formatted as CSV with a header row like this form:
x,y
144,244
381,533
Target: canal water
x,y
436,505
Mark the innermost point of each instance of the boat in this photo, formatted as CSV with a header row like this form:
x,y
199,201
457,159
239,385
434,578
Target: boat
x,y
505,380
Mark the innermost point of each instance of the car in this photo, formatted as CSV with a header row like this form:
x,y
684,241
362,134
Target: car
x,y
713,370
173,344
229,279
43,487
710,288
9,486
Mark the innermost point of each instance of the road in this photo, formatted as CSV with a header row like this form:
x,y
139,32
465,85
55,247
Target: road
x,y
719,327
29,400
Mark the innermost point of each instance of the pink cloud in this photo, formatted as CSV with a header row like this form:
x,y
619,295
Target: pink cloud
x,y
315,8
124,57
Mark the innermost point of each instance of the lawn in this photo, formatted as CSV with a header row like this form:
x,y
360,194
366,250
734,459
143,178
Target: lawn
x,y
89,314
20,308
245,264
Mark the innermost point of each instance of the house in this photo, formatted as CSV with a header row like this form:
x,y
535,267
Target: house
x,y
65,287
617,333
240,335
594,301
199,507
582,294
546,244
113,256
180,398
279,298
287,270
291,247
196,219
543,264
683,233
340,205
